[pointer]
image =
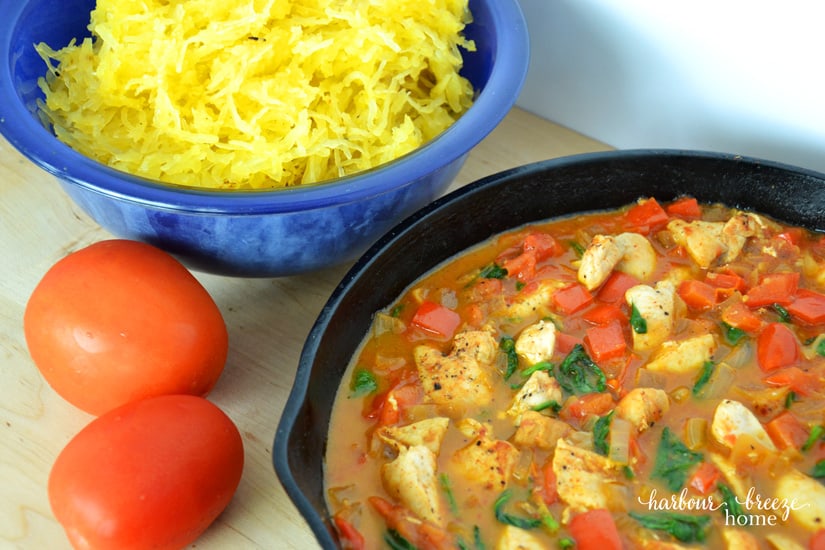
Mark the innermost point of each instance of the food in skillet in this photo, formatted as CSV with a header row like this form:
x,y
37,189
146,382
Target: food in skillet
x,y
258,94
646,378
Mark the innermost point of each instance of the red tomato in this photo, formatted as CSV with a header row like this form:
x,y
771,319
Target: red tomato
x,y
595,530
150,474
776,347
120,321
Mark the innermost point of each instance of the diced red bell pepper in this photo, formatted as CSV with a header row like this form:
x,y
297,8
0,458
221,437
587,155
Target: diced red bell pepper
x,y
566,342
738,315
646,214
775,288
786,430
686,208
571,299
793,235
521,267
541,245
615,287
437,319
817,540
726,281
697,295
549,491
808,307
704,479
776,347
605,342
798,380
350,537
595,530
602,314
579,408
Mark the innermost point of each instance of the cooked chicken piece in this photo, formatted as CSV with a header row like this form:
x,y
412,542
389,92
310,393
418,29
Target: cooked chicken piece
x,y
738,482
513,538
701,239
461,379
736,231
780,541
733,419
539,390
427,433
584,477
678,274
805,497
738,539
655,305
540,431
488,462
707,241
412,479
629,253
537,342
642,407
684,355
533,305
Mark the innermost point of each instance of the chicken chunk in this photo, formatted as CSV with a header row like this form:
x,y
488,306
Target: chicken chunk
x,y
701,239
533,305
683,356
706,242
513,538
584,477
629,253
487,461
805,497
539,390
642,407
655,305
537,342
412,479
738,539
427,433
461,379
540,431
733,419
737,481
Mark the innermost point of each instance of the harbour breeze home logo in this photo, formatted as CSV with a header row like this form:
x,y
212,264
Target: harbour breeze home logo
x,y
751,511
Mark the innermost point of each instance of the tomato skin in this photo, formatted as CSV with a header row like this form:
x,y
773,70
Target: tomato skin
x,y
150,474
122,320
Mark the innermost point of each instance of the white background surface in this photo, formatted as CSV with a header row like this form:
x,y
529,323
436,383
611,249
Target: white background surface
x,y
720,75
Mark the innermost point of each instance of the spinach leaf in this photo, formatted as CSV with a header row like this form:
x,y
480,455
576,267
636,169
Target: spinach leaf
x,y
704,377
819,469
493,271
784,316
820,347
673,460
817,432
637,322
510,519
734,508
478,544
396,542
508,346
682,527
577,248
447,487
732,334
578,374
363,382
542,365
601,431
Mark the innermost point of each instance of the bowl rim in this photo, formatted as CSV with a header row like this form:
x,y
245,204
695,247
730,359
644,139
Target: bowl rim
x,y
509,71
298,394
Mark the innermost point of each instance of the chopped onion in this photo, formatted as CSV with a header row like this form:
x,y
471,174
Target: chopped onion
x,y
720,381
620,431
696,433
384,323
740,355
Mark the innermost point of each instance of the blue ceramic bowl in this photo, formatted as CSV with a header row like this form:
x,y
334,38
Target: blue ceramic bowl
x,y
262,233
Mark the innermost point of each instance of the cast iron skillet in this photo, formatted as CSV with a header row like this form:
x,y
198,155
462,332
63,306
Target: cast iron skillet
x,y
472,214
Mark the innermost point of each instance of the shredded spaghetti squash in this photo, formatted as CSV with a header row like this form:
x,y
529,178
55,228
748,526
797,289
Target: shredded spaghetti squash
x,y
242,94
